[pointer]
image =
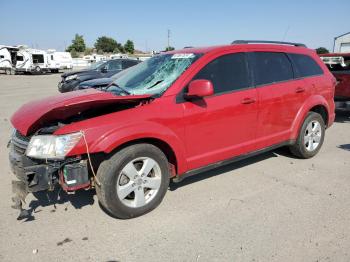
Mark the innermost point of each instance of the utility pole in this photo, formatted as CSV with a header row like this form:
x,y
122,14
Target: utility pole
x,y
168,38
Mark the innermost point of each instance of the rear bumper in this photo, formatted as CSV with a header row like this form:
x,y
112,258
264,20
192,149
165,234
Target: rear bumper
x,y
342,105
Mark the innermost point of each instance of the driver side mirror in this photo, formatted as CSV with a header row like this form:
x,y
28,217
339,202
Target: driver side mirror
x,y
199,88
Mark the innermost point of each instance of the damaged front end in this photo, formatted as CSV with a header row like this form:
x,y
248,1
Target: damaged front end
x,y
40,158
43,174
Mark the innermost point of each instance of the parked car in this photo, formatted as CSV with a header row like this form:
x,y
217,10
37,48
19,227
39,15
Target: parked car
x,y
102,69
101,83
175,115
339,65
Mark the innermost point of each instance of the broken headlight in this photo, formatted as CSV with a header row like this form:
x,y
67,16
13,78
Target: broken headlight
x,y
51,146
68,78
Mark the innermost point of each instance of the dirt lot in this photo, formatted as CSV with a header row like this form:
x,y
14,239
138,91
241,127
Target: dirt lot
x,y
269,208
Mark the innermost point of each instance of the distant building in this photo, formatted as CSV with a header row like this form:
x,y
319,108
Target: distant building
x,y
342,43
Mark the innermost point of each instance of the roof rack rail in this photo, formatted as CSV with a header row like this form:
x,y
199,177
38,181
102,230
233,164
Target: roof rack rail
x,y
237,42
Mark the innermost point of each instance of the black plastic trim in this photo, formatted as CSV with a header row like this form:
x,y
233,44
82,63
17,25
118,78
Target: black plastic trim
x,y
239,42
192,172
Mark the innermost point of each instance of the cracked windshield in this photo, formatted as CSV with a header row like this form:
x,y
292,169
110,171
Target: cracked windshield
x,y
154,76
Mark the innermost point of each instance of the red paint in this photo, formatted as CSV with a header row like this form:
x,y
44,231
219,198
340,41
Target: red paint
x,y
59,107
342,89
200,88
201,131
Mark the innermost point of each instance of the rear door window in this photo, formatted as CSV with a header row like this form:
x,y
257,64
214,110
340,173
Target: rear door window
x,y
305,66
270,67
227,73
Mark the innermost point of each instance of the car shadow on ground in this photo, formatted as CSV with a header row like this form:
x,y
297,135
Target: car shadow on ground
x,y
78,200
229,167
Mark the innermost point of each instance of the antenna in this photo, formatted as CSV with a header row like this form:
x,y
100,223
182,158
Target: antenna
x,y
168,38
285,33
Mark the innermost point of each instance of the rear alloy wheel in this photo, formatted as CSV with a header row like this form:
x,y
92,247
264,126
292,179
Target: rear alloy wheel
x,y
311,136
133,181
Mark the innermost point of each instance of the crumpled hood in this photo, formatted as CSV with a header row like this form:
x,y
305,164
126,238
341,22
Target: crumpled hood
x,y
96,82
36,114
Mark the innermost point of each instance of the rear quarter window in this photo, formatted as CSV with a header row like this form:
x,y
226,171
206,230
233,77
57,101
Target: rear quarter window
x,y
270,67
305,65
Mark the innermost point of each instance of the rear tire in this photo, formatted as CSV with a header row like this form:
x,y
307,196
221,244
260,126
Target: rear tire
x,y
310,138
133,181
38,70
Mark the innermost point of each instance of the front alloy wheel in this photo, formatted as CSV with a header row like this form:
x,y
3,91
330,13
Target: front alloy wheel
x,y
139,182
133,181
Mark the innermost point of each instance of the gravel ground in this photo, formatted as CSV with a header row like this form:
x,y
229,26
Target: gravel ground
x,y
272,207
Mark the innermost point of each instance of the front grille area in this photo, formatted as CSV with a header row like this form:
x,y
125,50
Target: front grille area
x,y
20,142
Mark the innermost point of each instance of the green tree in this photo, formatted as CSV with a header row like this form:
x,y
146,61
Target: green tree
x,y
88,51
119,49
74,53
322,50
78,44
106,44
169,48
129,47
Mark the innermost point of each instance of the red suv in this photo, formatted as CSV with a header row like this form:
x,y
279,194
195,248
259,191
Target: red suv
x,y
172,116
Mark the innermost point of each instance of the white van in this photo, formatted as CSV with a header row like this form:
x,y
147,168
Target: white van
x,y
59,60
8,59
32,61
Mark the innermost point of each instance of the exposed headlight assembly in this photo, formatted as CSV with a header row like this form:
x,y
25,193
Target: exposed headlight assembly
x,y
72,77
51,146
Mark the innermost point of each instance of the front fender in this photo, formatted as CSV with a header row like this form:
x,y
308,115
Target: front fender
x,y
113,137
311,102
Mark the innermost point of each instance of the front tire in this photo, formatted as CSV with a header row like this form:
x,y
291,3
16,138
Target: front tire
x,y
133,181
310,138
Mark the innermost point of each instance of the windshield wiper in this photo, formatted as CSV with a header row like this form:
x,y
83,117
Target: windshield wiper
x,y
121,88
156,83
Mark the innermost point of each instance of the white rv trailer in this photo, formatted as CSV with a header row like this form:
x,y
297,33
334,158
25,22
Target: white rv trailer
x,y
94,58
32,60
119,55
8,56
59,60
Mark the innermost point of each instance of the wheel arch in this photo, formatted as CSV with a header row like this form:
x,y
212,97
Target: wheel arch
x,y
161,144
143,132
316,104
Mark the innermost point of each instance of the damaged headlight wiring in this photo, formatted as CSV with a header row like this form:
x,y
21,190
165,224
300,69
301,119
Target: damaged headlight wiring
x,y
51,146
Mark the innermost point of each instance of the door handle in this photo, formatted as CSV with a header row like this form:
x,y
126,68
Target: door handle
x,y
300,90
248,100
